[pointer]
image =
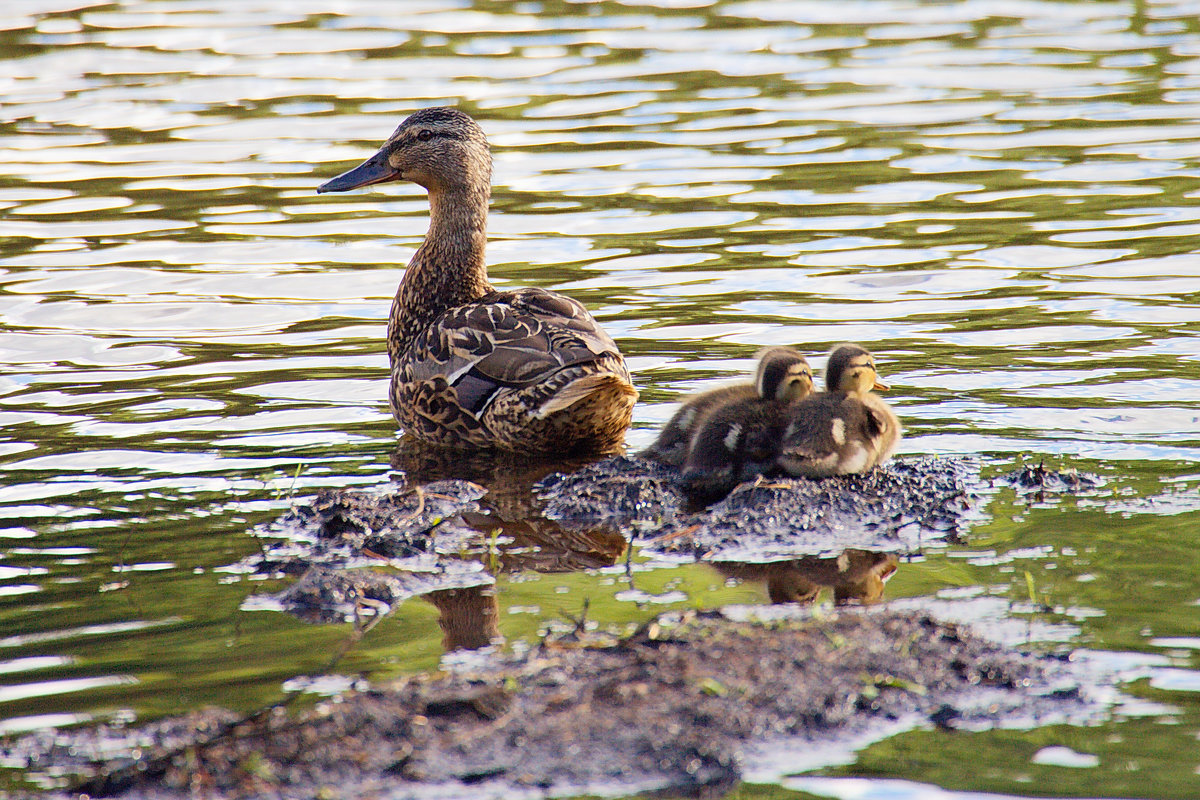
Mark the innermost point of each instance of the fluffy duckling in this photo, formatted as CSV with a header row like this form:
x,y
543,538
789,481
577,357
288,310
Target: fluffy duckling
x,y
671,446
525,370
739,437
844,429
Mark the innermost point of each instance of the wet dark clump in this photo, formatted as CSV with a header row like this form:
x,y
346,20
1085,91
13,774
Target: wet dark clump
x,y
394,524
627,493
1030,480
684,705
896,508
331,596
338,542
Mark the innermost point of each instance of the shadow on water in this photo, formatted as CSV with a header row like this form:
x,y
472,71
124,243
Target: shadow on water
x,y
510,511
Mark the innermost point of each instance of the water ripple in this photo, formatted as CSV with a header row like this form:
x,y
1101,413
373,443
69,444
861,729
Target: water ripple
x,y
996,196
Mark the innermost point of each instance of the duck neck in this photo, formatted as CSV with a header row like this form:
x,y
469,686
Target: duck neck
x,y
448,268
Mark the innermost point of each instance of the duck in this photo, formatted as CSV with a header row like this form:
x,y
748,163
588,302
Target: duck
x,y
472,367
671,446
738,436
846,429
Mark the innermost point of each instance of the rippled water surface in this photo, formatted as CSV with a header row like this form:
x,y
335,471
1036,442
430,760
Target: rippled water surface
x,y
998,197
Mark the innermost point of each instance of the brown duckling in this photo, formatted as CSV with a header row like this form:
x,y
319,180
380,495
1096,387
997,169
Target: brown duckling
x,y
525,370
738,438
844,429
671,446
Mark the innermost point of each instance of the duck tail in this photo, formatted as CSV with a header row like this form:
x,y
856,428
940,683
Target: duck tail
x,y
585,386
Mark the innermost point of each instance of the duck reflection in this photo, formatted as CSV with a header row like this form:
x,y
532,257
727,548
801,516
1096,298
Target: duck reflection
x,y
513,534
856,577
469,618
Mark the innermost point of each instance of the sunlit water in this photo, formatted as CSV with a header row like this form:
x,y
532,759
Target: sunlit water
x,y
998,197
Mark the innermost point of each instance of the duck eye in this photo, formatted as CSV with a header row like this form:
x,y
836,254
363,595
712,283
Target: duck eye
x,y
425,135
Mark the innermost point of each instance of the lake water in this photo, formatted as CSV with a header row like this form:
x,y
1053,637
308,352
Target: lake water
x,y
998,197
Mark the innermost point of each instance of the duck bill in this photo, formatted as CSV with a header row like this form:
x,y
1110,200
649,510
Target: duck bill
x,y
375,169
880,386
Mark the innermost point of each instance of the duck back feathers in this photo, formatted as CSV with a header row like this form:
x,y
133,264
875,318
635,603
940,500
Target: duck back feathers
x,y
509,367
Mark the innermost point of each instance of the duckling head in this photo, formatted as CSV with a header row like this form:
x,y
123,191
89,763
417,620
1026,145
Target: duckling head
x,y
783,374
437,148
851,369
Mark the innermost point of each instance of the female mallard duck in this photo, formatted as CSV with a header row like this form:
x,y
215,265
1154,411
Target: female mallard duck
x,y
525,370
844,429
772,377
738,437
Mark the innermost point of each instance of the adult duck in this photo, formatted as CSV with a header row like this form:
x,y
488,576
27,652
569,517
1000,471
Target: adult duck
x,y
525,370
846,428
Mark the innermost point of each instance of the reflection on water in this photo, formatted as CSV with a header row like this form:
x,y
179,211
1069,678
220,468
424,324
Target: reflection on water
x,y
855,576
467,617
997,198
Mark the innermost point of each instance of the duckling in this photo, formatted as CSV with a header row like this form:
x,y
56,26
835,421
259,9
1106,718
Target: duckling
x,y
525,370
739,437
844,429
671,446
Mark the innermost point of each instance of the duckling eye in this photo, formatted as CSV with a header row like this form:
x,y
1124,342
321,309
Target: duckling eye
x,y
425,135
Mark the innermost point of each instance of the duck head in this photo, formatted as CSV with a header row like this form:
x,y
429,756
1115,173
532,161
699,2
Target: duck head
x,y
783,374
437,148
851,369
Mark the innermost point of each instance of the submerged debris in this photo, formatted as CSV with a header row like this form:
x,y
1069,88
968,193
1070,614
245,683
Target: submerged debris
x,y
452,533
1030,480
394,524
685,705
328,595
339,541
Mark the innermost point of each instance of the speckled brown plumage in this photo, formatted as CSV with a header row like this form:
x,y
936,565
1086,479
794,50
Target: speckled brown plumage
x,y
526,370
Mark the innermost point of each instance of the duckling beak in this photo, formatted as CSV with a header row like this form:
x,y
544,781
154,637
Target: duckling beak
x,y
375,169
880,386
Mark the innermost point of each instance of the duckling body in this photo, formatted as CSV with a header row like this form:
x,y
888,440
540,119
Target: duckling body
x,y
671,446
845,429
526,370
739,437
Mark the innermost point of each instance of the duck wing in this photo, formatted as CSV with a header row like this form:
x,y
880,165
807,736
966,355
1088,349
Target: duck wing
x,y
507,341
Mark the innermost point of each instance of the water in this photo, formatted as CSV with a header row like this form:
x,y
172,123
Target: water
x,y
996,196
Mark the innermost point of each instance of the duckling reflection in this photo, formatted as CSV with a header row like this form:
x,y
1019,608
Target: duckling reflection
x,y
857,577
